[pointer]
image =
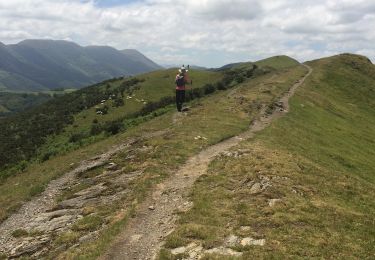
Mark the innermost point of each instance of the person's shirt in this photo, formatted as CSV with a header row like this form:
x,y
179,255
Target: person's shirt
x,y
186,80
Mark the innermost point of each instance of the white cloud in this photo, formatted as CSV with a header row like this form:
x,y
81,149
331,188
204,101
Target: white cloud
x,y
225,10
207,32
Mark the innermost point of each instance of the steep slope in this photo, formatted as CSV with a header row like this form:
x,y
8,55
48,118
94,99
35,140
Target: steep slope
x,y
72,120
10,67
13,102
302,188
37,64
139,57
152,148
10,81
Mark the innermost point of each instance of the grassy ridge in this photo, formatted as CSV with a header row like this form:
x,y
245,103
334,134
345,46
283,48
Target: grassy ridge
x,y
30,178
274,63
216,117
278,62
151,88
64,124
335,113
318,161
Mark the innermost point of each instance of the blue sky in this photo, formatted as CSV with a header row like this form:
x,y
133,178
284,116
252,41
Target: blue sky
x,y
202,32
111,3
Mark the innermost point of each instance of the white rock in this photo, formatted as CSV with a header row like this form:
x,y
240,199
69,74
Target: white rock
x,y
232,240
191,246
259,242
194,253
111,166
249,241
245,228
178,250
223,251
273,202
256,188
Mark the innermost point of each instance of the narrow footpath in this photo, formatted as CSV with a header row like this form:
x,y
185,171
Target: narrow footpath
x,y
155,218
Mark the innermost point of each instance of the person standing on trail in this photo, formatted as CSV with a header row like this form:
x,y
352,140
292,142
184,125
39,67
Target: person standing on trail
x,y
182,78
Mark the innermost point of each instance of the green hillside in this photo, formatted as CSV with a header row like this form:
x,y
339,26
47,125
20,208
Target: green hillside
x,y
70,121
301,188
218,111
37,65
90,127
276,62
14,102
14,82
315,169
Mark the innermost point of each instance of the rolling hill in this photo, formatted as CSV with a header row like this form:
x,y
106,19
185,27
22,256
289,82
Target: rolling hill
x,y
276,62
36,65
299,186
302,188
77,133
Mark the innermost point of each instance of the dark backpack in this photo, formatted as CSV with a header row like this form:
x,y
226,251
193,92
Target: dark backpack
x,y
180,81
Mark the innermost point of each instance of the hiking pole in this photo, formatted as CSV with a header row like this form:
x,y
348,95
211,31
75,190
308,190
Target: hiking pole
x,y
191,85
191,81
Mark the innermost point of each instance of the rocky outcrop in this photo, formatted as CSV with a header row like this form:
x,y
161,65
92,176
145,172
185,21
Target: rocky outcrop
x,y
64,203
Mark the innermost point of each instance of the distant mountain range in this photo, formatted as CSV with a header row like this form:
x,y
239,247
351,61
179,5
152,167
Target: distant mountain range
x,y
35,65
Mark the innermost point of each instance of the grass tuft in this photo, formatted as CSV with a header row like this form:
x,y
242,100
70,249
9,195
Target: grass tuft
x,y
88,223
20,233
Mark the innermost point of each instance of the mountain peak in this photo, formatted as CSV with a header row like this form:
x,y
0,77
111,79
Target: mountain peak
x,y
136,55
132,52
43,42
353,60
101,47
354,57
60,64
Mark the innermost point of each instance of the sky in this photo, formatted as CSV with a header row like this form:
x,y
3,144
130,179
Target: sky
x,y
209,33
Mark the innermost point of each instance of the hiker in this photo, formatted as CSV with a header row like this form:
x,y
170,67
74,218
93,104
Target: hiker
x,y
182,78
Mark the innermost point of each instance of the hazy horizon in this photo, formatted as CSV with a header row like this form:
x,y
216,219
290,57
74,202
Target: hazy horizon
x,y
207,33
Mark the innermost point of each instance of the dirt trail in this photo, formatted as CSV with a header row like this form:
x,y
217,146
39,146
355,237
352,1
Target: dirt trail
x,y
156,218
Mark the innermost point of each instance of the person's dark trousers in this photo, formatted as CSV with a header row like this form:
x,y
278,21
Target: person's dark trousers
x,y
180,99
